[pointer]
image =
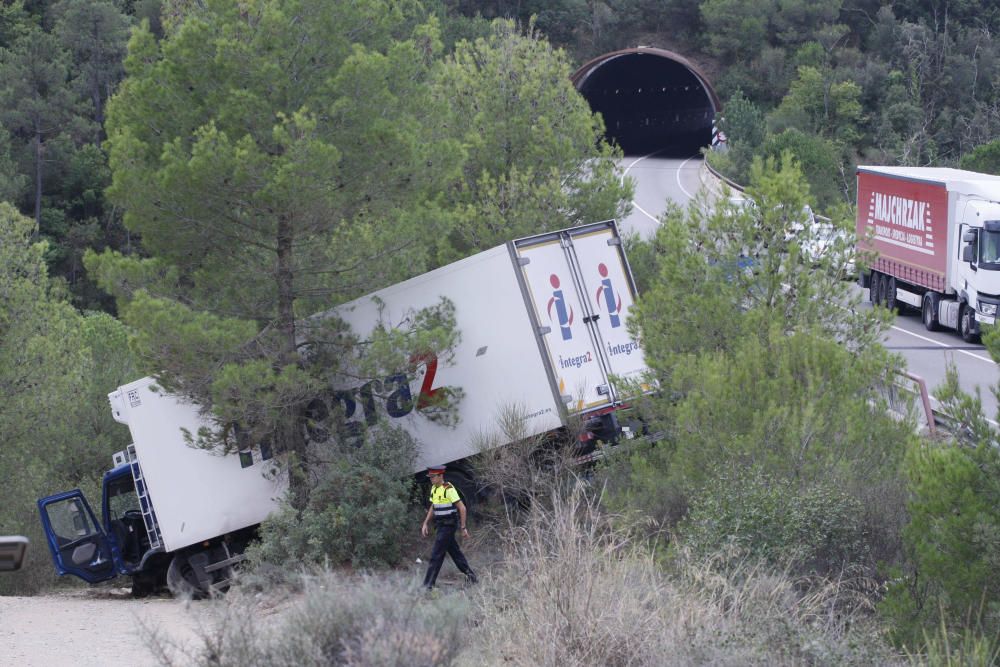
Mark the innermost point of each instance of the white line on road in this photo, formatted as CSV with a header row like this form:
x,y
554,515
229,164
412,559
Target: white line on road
x,y
679,184
635,204
940,344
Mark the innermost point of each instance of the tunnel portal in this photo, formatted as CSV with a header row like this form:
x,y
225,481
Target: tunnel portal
x,y
651,100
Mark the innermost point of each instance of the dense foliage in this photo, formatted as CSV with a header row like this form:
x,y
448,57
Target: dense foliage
x,y
188,181
863,81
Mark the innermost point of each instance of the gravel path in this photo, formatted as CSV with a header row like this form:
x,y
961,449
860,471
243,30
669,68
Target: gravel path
x,y
99,627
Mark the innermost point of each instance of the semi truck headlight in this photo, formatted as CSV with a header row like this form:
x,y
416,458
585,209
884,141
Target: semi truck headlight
x,y
987,308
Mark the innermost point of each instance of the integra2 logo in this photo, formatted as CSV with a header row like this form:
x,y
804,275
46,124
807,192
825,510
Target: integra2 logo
x,y
393,391
564,312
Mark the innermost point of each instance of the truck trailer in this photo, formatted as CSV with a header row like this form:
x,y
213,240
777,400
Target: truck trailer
x,y
935,235
543,328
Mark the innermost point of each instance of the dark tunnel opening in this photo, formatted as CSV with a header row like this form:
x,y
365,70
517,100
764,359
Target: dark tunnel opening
x,y
651,100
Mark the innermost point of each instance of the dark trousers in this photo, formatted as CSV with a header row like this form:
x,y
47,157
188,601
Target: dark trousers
x,y
445,542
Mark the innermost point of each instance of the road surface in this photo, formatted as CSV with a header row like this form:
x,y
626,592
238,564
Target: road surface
x,y
662,179
659,180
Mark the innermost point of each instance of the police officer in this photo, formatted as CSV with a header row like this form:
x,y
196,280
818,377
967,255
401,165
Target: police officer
x,y
449,515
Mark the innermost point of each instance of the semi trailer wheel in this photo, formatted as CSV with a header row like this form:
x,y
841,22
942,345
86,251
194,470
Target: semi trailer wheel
x,y
874,288
889,293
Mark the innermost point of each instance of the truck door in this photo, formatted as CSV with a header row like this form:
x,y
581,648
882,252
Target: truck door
x,y
580,289
78,545
607,280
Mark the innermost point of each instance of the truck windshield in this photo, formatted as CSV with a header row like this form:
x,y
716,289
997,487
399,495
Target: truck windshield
x,y
989,249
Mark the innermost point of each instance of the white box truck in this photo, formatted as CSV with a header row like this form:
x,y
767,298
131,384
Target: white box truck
x,y
543,327
935,233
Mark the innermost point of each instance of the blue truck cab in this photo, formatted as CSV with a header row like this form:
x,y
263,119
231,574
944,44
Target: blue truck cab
x,y
123,541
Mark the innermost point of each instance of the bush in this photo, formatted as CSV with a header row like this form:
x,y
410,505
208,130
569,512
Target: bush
x,y
815,530
358,509
359,621
953,541
574,590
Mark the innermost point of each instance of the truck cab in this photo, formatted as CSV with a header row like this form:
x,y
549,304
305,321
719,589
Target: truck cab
x,y
120,541
978,279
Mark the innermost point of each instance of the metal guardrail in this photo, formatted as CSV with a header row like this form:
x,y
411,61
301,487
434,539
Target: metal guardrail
x,y
908,392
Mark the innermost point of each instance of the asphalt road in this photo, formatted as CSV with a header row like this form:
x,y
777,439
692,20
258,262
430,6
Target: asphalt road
x,y
927,354
657,181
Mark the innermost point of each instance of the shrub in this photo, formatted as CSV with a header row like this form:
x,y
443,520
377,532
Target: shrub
x,y
818,529
338,620
357,510
953,540
573,590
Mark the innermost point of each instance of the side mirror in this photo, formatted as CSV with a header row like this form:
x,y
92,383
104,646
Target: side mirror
x,y
968,254
12,549
969,237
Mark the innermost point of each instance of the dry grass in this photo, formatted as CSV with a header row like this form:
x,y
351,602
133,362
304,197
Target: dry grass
x,y
575,591
567,589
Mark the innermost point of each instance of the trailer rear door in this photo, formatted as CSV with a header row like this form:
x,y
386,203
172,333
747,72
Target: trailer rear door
x,y
580,290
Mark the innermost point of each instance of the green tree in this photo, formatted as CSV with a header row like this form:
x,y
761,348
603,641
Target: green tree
x,y
276,158
746,128
953,536
738,29
822,164
35,100
984,158
536,160
95,34
766,363
817,103
43,373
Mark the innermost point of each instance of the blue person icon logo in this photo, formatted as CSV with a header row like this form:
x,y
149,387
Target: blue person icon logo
x,y
564,314
611,299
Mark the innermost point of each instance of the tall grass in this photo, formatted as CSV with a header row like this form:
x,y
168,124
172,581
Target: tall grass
x,y
338,619
575,591
569,588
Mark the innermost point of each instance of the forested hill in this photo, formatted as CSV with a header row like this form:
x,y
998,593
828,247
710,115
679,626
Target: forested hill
x,y
839,82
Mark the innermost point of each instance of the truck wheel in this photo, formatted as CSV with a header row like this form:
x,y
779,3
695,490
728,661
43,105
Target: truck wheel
x,y
929,311
181,579
874,282
966,325
889,293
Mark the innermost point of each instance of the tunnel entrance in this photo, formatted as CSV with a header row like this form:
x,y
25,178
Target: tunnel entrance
x,y
651,100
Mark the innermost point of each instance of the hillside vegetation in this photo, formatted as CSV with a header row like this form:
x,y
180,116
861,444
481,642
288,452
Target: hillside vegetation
x,y
187,181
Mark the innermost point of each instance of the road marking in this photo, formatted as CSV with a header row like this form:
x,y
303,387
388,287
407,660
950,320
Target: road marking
x,y
679,184
635,204
945,345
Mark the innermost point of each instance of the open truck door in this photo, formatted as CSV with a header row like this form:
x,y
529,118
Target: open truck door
x,y
78,544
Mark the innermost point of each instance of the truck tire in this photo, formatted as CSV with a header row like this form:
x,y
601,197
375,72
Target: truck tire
x,y
889,293
874,283
966,324
929,311
181,579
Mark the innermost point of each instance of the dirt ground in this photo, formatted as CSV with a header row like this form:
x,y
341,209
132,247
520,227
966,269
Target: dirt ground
x,y
99,627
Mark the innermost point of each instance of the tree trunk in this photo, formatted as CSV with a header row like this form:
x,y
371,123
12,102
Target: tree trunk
x,y
294,440
38,182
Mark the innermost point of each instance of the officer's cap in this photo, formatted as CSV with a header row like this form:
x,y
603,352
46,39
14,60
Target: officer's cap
x,y
435,470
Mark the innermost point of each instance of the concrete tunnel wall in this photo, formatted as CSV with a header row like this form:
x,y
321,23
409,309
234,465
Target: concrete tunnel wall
x,y
650,99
